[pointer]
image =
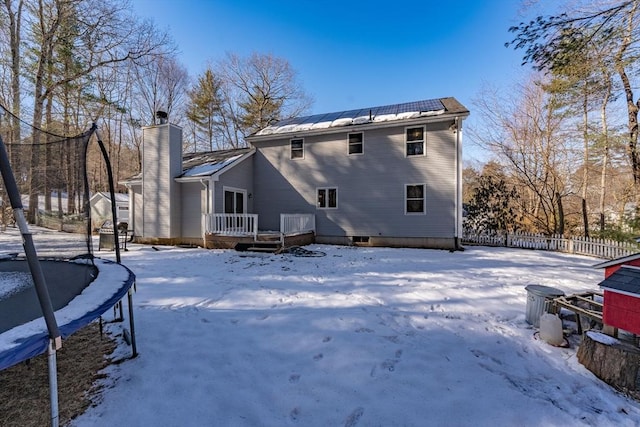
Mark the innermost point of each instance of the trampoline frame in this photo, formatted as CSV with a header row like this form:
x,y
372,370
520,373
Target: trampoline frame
x,y
52,339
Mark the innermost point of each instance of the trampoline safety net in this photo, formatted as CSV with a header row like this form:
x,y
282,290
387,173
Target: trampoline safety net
x,y
51,174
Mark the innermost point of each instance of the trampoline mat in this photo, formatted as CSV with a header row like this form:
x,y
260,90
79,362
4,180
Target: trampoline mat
x,y
65,280
80,293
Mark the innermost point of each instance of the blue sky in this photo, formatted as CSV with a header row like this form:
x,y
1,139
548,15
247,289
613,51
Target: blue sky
x,y
356,54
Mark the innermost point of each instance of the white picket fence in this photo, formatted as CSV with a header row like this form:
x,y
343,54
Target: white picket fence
x,y
601,248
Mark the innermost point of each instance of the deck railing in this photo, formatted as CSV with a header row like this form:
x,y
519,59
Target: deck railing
x,y
232,224
601,248
297,223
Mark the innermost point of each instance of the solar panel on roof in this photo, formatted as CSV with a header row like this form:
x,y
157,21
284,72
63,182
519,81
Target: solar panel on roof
x,y
426,105
331,116
285,122
363,112
348,113
386,109
408,107
431,105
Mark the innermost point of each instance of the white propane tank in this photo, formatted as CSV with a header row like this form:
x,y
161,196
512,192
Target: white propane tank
x,y
551,329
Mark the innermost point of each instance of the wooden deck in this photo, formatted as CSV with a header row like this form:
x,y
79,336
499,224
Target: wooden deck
x,y
264,239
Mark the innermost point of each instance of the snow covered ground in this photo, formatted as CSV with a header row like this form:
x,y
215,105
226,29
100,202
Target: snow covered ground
x,y
358,337
367,337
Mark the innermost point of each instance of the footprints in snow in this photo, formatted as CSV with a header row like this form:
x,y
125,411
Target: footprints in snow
x,y
351,420
387,365
354,417
320,356
294,378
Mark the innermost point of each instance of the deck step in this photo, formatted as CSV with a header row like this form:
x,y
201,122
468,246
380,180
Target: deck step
x,y
260,249
269,247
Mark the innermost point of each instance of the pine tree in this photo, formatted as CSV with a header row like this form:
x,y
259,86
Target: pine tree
x,y
204,108
491,206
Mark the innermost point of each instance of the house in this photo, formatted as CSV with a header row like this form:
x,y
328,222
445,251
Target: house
x,y
381,176
100,204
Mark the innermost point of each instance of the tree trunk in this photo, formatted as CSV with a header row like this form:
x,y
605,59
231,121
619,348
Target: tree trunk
x,y
560,225
15,24
585,170
585,217
605,148
632,107
613,361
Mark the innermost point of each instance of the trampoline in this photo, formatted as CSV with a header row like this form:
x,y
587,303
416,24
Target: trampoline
x,y
44,299
80,292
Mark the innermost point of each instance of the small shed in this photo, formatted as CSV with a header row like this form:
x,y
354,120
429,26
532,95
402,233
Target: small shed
x,y
101,207
613,265
622,299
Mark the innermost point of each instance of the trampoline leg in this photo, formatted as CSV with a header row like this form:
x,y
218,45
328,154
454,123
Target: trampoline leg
x,y
131,324
53,384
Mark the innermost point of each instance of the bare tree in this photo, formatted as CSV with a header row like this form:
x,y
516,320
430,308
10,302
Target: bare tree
x,y
258,91
104,34
14,11
161,85
551,41
525,131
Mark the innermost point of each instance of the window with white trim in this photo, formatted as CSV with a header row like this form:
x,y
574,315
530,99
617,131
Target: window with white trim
x,y
415,138
356,143
297,148
234,200
327,198
414,196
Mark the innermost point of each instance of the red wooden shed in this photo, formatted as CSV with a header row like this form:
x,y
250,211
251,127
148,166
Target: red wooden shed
x,y
615,264
622,299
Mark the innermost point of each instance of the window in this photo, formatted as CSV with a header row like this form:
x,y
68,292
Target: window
x,y
356,143
327,198
234,201
414,198
415,141
297,149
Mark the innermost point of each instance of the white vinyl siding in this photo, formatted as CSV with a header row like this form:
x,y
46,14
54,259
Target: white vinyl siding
x,y
371,187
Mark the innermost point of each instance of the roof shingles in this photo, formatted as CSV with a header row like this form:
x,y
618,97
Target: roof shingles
x,y
626,279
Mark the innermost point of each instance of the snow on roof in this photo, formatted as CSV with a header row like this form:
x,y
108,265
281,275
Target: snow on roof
x,y
204,163
409,110
210,168
211,162
120,197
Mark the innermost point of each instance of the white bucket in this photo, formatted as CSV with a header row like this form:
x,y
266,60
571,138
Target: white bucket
x,y
551,329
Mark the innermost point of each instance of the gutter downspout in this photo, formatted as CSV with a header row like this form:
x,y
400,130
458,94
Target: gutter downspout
x,y
207,210
132,207
458,203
